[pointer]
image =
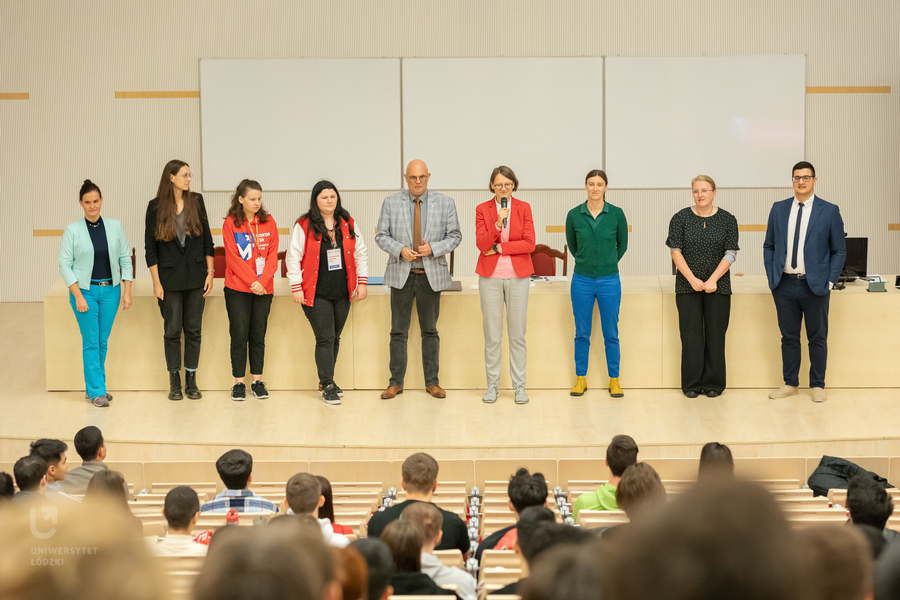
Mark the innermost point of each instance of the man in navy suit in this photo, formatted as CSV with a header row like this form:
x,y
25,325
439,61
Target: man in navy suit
x,y
804,253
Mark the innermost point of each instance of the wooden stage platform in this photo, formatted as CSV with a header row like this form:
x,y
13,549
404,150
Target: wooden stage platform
x,y
297,425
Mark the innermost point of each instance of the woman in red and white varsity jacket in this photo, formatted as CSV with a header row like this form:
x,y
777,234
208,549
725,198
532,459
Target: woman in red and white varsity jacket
x,y
251,260
327,264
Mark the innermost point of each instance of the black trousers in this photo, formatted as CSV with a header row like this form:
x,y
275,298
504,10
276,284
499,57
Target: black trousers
x,y
327,318
248,316
182,311
703,321
794,302
428,307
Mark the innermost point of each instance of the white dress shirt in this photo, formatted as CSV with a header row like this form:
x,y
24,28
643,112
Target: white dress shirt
x,y
792,226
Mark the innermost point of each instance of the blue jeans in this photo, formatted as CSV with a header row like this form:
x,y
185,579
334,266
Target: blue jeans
x,y
96,325
607,291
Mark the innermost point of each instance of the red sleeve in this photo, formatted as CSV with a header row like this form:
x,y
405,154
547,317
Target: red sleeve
x,y
526,244
272,257
486,234
233,259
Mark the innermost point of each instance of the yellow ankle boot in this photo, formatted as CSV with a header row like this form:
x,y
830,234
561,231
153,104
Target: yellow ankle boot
x,y
615,390
580,387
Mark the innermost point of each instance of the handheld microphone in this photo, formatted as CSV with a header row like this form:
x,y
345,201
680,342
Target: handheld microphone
x,y
503,203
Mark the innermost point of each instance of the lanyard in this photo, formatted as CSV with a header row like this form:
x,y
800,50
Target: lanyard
x,y
333,234
255,235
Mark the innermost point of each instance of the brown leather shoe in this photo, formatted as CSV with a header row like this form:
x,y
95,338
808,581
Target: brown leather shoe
x,y
391,391
436,391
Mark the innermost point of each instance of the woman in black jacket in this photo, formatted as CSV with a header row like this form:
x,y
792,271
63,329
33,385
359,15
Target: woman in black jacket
x,y
181,257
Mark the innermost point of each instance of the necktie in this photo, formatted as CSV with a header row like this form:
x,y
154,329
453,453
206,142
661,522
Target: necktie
x,y
417,225
796,237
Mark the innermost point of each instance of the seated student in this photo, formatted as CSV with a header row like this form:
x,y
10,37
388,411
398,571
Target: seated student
x,y
235,468
109,488
405,540
380,565
870,504
429,518
715,461
524,490
351,572
420,473
7,491
181,510
287,561
326,511
304,495
837,563
91,447
639,493
620,454
54,454
539,532
566,572
31,477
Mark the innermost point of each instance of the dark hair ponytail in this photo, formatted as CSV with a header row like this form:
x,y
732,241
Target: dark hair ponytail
x,y
87,187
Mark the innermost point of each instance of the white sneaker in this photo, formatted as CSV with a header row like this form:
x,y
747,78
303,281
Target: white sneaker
x,y
490,396
521,396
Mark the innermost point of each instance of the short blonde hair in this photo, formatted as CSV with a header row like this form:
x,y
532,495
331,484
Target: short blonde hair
x,y
705,178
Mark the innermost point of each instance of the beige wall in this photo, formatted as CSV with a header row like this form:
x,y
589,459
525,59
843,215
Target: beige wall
x,y
71,58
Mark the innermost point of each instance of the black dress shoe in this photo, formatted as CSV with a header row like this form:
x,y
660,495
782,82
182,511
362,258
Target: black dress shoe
x,y
712,394
691,394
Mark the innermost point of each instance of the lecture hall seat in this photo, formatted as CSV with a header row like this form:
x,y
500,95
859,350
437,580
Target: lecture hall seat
x,y
544,259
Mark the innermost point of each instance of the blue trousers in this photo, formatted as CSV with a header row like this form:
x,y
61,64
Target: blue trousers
x,y
607,291
795,303
95,325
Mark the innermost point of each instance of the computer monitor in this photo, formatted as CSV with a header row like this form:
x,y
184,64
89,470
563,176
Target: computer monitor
x,y
855,261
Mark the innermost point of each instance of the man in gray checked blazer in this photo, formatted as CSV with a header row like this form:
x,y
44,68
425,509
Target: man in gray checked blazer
x,y
418,228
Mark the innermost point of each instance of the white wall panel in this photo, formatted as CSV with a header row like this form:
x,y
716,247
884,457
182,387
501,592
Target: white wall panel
x,y
72,56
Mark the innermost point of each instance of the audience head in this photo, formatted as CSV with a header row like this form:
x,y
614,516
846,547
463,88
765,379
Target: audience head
x,y
640,489
181,506
235,467
710,542
405,540
326,511
351,573
116,566
429,518
715,460
529,521
30,473
837,562
620,454
567,572
420,473
526,490
380,566
303,494
288,561
6,486
89,444
546,535
54,454
109,485
887,574
868,502
874,537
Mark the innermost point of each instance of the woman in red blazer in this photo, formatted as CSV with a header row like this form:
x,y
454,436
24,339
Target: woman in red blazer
x,y
504,234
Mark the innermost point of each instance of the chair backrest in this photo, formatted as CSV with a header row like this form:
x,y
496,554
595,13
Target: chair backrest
x,y
450,558
220,262
591,519
281,257
543,257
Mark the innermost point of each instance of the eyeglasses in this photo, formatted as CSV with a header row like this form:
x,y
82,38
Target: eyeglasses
x,y
803,178
417,179
701,192
503,186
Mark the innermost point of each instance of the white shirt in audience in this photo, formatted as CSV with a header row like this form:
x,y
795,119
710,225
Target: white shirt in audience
x,y
443,575
178,545
338,540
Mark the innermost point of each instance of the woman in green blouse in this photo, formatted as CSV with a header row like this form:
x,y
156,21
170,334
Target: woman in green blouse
x,y
703,240
597,234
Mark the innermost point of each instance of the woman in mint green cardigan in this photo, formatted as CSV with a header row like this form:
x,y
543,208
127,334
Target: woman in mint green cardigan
x,y
92,253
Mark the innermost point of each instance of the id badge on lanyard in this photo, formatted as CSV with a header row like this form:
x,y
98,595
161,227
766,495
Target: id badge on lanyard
x,y
334,259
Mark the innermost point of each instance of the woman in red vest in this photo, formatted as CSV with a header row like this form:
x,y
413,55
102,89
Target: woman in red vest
x,y
251,261
327,265
504,234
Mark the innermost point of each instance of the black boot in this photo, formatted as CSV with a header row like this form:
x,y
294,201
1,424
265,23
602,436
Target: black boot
x,y
190,385
175,385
